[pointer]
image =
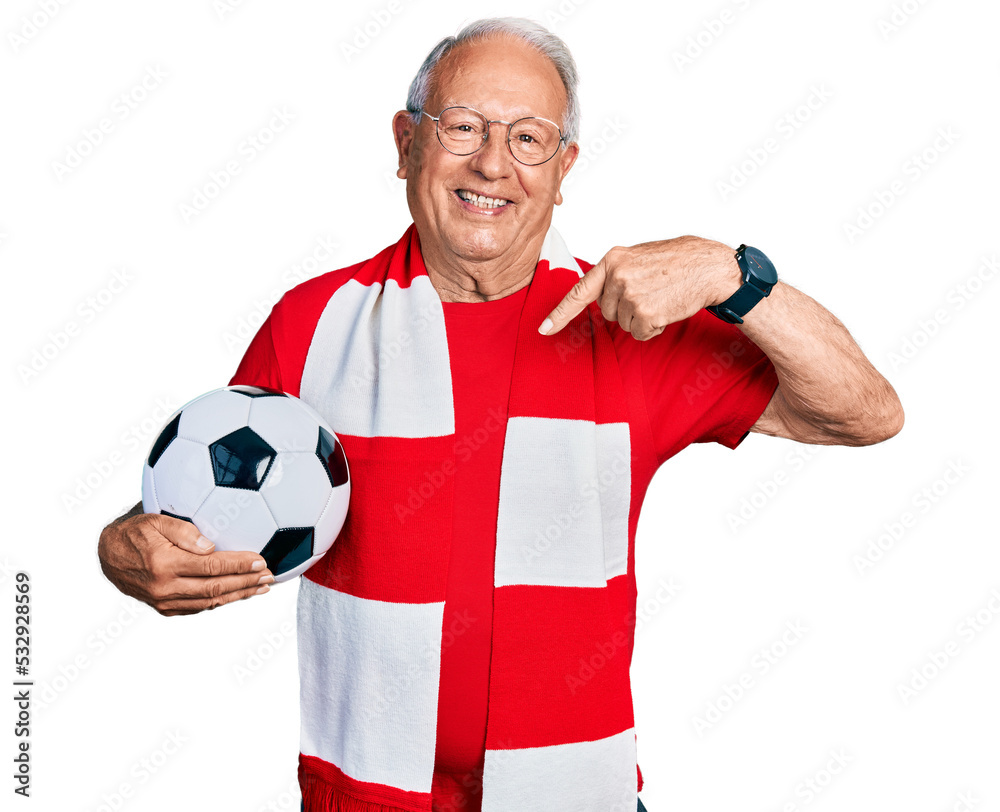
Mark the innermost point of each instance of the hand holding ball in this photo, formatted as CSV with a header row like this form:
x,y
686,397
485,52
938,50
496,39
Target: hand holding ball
x,y
253,469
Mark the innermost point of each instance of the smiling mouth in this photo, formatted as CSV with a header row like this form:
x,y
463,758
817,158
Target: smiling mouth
x,y
481,201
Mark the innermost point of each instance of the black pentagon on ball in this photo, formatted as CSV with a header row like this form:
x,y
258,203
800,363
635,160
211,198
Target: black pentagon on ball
x,y
241,459
166,437
257,391
288,548
331,454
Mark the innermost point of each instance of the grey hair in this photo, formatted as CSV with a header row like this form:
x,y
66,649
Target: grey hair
x,y
532,33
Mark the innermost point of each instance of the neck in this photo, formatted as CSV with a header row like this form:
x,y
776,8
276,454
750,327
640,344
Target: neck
x,y
458,279
477,290
478,281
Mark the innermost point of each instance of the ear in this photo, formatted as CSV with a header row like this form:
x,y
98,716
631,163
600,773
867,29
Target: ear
x,y
403,130
566,161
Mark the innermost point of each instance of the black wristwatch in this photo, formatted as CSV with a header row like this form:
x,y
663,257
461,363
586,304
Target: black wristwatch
x,y
759,276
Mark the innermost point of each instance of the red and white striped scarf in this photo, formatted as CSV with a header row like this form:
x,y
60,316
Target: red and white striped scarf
x,y
371,614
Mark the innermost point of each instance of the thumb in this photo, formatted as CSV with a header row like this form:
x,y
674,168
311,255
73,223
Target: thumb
x,y
587,290
182,533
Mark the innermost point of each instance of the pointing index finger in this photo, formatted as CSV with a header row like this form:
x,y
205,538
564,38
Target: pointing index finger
x,y
587,290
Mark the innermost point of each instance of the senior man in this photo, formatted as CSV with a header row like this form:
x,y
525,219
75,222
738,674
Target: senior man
x,y
466,642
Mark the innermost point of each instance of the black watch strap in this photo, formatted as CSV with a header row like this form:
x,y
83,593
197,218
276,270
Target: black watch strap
x,y
759,277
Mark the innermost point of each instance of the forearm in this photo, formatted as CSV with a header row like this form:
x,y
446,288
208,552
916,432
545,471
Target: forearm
x,y
104,538
828,392
824,377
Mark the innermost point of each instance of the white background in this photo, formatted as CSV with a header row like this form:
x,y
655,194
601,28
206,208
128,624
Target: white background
x,y
117,686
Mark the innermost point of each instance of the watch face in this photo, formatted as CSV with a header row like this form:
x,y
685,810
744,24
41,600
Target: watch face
x,y
760,265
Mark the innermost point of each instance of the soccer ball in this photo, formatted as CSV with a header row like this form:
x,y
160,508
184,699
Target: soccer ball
x,y
252,469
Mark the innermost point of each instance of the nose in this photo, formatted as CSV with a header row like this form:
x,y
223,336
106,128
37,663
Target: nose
x,y
494,159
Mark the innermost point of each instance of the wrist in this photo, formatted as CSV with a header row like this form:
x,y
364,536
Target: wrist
x,y
757,278
728,276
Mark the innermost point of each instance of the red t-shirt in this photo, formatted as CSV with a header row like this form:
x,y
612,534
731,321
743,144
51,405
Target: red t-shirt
x,y
481,340
701,380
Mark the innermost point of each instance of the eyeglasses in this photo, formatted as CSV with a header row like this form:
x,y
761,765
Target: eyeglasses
x,y
532,140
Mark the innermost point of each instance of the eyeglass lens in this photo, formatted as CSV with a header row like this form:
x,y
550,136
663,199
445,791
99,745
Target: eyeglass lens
x,y
463,131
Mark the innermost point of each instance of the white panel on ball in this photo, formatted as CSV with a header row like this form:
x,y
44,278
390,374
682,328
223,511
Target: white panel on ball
x,y
283,423
332,520
296,489
235,519
150,504
209,419
189,403
182,477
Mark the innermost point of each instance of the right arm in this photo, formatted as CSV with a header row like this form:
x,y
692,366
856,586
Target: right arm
x,y
168,564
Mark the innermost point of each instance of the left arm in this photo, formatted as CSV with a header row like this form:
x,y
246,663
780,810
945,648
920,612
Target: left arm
x,y
828,391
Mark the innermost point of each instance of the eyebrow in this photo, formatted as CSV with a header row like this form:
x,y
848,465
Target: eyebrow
x,y
517,115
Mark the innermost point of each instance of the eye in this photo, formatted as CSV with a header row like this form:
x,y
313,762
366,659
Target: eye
x,y
463,127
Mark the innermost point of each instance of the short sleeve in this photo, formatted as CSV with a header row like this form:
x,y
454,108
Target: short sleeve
x,y
259,366
703,381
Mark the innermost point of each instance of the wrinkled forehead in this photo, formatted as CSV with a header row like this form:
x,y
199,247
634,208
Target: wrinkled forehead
x,y
501,76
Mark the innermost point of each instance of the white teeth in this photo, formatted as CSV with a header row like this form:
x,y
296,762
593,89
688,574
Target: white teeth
x,y
481,200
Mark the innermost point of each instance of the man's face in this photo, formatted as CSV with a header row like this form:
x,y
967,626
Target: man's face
x,y
504,79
